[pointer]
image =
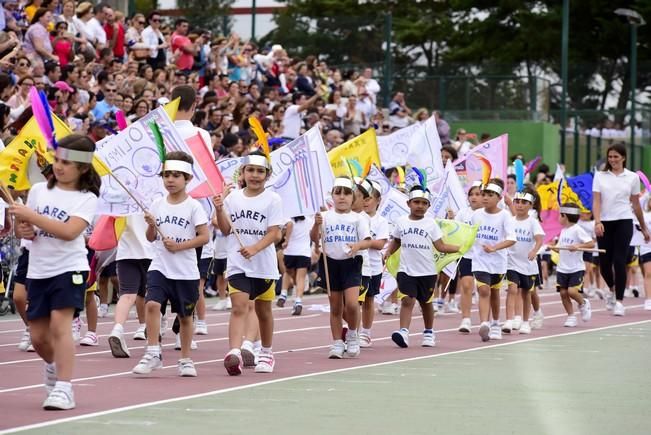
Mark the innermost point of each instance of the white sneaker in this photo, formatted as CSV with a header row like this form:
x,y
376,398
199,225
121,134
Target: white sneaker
x,y
229,304
395,308
352,344
475,298
25,341
484,331
220,305
538,320
610,301
429,339
210,292
586,310
140,333
164,323
495,332
599,293
439,305
647,305
266,363
525,328
337,350
466,325
570,322
401,338
364,340
147,364
59,399
507,327
517,321
118,346
103,310
248,354
90,339
233,362
452,307
618,309
177,343
49,378
386,308
186,368
76,329
200,327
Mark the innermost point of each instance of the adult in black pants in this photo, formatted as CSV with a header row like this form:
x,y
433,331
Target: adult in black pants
x,y
615,198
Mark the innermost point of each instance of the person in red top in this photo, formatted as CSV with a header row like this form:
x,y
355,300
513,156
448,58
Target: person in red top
x,y
182,48
114,34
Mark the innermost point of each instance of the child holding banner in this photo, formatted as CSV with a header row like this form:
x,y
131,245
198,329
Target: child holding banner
x,y
173,274
414,235
252,216
345,234
55,217
489,257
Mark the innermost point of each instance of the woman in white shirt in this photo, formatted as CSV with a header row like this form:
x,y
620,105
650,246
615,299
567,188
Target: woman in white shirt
x,y
615,197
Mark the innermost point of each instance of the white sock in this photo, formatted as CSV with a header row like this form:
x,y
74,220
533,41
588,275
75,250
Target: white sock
x,y
257,345
50,367
118,329
153,350
298,301
366,331
283,293
266,350
63,385
250,343
200,322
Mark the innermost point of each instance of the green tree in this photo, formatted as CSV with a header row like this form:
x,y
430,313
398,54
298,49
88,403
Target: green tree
x,y
207,14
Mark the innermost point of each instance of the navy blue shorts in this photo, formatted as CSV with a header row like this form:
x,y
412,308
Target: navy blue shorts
x,y
465,267
374,286
419,287
569,280
204,265
218,266
182,294
524,282
644,258
110,270
132,275
493,280
21,267
297,262
62,291
343,274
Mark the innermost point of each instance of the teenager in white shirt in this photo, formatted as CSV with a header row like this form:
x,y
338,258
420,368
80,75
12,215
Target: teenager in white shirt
x,y
570,269
255,215
55,217
177,224
345,234
489,256
522,268
415,235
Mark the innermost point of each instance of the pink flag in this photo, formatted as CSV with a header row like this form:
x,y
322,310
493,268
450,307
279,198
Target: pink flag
x,y
214,183
550,224
469,167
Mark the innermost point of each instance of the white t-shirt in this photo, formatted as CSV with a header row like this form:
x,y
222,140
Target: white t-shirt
x,y
525,232
3,205
187,130
208,250
220,245
616,191
95,32
570,262
645,248
251,217
292,122
366,265
50,256
417,239
134,244
465,215
299,239
493,229
178,222
379,231
343,229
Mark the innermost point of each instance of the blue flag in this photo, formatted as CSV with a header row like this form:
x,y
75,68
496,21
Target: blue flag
x,y
582,186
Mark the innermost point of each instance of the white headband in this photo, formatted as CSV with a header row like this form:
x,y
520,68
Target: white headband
x,y
364,184
417,193
75,155
492,187
344,182
476,183
524,196
256,160
177,165
570,210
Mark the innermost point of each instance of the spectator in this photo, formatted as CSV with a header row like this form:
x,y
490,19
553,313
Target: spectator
x,y
95,26
354,118
461,143
62,43
371,85
115,34
304,81
292,121
37,38
443,128
107,105
154,39
183,49
398,111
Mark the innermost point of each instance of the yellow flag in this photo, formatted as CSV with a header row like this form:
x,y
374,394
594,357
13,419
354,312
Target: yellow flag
x,y
549,196
363,148
172,107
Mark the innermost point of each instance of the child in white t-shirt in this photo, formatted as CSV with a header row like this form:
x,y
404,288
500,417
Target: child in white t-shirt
x,y
346,234
645,260
297,252
489,256
570,269
177,224
415,235
522,268
252,217
55,217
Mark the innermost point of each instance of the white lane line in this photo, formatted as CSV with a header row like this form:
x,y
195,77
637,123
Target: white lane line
x,y
308,375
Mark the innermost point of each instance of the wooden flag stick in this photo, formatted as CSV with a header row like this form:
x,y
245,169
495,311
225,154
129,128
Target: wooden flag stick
x,y
138,203
566,248
325,258
7,193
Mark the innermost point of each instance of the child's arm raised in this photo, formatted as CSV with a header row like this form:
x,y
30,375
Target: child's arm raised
x,y
221,219
65,230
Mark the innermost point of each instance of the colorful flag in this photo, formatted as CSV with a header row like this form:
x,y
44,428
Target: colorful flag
x,y
451,195
214,183
106,232
470,167
394,148
362,148
425,154
581,185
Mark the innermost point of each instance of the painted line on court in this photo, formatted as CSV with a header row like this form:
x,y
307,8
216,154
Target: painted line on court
x,y
307,375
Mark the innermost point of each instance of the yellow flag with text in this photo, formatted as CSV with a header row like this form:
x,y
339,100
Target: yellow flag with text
x,y
362,148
